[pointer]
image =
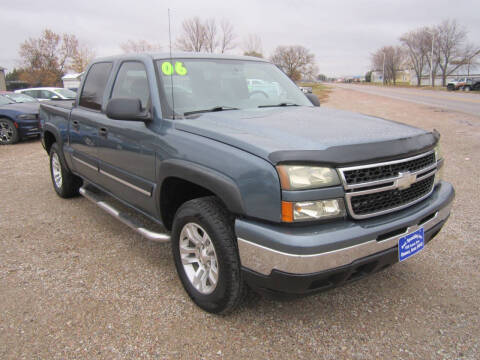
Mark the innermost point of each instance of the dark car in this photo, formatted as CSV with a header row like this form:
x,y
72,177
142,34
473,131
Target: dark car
x,y
19,98
17,120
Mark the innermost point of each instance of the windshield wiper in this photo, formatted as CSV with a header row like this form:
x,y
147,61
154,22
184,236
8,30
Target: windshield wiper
x,y
281,104
216,108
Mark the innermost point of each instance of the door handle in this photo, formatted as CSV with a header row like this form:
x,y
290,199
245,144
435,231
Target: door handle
x,y
102,131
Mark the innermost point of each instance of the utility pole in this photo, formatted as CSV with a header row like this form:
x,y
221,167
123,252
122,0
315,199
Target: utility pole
x,y
383,76
431,60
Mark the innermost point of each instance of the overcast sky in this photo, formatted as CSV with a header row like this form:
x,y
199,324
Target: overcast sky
x,y
342,34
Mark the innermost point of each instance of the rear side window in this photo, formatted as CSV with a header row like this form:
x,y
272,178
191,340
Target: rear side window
x,y
33,93
132,82
94,88
46,94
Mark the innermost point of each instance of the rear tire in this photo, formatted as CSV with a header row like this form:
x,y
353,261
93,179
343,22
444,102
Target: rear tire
x,y
204,250
65,183
467,88
8,132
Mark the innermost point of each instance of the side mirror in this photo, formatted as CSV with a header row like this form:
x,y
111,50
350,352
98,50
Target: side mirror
x,y
126,108
313,99
55,97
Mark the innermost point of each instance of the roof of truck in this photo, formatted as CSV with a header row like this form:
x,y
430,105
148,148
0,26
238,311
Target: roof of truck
x,y
183,55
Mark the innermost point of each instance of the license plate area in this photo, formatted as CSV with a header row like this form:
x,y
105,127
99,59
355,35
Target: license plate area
x,y
410,244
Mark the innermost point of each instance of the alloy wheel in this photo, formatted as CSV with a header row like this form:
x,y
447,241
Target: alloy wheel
x,y
6,132
199,258
57,170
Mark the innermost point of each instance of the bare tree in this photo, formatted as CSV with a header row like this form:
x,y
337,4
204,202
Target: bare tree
x,y
295,61
45,59
198,35
68,47
210,30
139,46
193,35
252,46
417,44
452,50
391,59
81,58
472,57
227,36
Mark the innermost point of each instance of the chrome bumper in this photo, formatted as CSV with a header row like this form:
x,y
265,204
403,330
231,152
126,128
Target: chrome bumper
x,y
263,259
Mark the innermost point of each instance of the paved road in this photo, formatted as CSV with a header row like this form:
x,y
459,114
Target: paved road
x,y
468,103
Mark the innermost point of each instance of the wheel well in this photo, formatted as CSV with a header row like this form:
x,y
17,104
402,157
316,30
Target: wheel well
x,y
7,118
174,193
49,139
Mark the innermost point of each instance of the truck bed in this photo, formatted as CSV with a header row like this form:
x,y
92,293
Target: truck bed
x,y
52,110
64,104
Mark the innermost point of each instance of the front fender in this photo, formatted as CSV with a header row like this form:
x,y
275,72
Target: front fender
x,y
216,182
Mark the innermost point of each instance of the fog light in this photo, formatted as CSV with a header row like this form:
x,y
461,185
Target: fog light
x,y
312,210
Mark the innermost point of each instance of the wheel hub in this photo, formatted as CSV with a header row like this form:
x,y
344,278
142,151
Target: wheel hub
x,y
56,170
199,258
6,132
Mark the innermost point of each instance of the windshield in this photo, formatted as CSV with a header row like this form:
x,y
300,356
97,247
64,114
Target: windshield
x,y
221,84
20,98
4,100
66,93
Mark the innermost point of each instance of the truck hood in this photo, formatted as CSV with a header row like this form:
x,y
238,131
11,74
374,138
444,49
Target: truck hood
x,y
310,134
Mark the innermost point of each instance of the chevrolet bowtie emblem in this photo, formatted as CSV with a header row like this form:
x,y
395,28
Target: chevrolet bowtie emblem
x,y
406,180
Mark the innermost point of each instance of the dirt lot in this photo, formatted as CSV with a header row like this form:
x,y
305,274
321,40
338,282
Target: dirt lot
x,y
75,283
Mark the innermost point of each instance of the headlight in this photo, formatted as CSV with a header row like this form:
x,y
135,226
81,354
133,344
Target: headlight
x,y
27,117
297,177
312,210
438,152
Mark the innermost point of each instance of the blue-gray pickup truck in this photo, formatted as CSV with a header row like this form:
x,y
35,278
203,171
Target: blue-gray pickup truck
x,y
255,189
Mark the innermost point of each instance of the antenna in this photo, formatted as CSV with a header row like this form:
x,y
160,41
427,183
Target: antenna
x,y
171,63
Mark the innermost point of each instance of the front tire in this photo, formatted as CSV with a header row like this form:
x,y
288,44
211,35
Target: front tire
x,y
8,132
206,256
65,183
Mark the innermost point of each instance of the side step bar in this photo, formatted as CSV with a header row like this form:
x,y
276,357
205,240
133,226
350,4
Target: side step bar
x,y
124,217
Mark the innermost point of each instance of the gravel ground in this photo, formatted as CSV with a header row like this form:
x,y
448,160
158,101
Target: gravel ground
x,y
75,283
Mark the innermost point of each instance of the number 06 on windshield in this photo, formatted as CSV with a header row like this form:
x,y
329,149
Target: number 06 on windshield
x,y
168,68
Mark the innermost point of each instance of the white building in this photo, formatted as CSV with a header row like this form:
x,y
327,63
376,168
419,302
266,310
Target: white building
x,y
473,71
72,81
3,84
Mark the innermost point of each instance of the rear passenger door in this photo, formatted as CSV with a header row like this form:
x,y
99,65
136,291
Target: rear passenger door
x,y
125,148
85,119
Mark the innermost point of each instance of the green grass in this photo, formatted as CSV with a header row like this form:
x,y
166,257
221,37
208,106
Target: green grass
x,y
321,90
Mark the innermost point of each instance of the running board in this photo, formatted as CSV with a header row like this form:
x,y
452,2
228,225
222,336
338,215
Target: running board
x,y
124,217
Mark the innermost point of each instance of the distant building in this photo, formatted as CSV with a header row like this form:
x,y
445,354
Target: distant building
x,y
72,81
403,76
471,71
3,84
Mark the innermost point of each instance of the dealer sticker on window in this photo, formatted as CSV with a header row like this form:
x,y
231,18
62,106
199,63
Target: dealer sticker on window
x,y
410,244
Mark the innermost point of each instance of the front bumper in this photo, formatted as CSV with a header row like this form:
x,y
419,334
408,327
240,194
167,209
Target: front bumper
x,y
269,250
27,128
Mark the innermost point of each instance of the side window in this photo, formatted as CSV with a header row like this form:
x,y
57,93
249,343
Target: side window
x,y
131,82
94,88
32,93
46,94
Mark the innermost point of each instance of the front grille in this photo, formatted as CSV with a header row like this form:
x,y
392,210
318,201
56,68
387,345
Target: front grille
x,y
383,200
381,188
374,173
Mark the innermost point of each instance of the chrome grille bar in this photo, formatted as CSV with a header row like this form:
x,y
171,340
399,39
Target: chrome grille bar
x,y
402,180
